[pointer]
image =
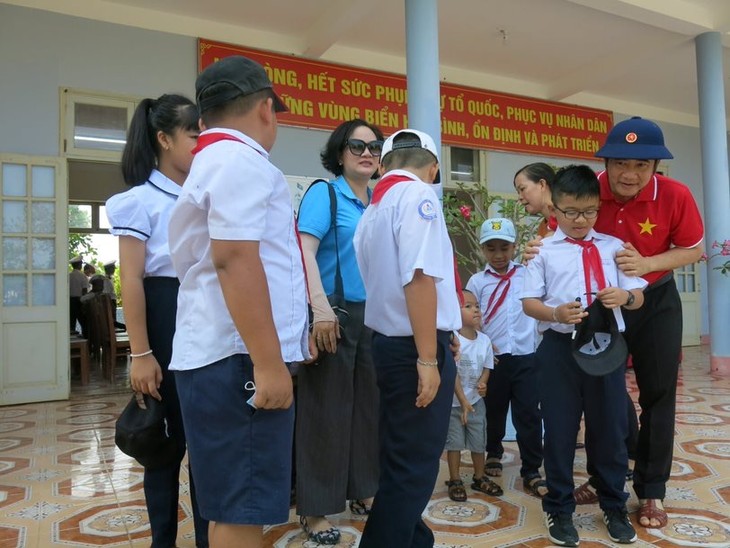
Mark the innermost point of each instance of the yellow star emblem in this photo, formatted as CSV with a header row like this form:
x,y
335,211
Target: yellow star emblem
x,y
646,227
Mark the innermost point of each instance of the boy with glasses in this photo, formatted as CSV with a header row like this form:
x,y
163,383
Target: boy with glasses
x,y
575,267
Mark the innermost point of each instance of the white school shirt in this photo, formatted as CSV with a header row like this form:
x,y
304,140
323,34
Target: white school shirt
x,y
143,212
233,192
510,329
403,232
475,356
555,275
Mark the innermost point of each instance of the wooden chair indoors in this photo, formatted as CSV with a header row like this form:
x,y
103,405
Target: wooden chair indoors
x,y
79,348
108,344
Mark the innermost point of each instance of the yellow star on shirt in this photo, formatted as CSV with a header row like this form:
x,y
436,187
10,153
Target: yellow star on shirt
x,y
646,227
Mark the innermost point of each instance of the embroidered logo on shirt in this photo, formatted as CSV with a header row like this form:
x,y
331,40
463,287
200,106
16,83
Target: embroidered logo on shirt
x,y
427,210
647,227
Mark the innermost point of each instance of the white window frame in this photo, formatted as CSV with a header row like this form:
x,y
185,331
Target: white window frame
x,y
451,183
68,98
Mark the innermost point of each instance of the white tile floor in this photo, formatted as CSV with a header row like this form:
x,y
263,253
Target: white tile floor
x,y
63,483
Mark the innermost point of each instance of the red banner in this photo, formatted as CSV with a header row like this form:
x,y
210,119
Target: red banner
x,y
323,95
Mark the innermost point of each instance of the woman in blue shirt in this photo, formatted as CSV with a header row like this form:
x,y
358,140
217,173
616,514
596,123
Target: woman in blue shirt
x,y
337,397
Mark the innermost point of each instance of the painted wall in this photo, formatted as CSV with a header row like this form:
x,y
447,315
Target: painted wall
x,y
41,52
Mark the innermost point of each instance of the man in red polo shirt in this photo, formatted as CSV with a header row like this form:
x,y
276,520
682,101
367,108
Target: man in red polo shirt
x,y
658,219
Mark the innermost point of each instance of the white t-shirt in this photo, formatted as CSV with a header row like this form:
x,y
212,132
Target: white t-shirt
x,y
233,192
555,275
143,212
77,282
476,356
403,232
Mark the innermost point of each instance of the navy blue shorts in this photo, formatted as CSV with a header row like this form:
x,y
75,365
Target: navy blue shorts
x,y
241,457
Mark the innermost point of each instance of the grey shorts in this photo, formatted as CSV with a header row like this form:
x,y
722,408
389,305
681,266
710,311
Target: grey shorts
x,y
473,436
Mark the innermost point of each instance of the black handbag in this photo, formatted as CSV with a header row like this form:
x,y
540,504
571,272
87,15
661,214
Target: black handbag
x,y
337,298
143,434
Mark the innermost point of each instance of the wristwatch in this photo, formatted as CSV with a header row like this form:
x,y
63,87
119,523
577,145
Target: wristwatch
x,y
630,300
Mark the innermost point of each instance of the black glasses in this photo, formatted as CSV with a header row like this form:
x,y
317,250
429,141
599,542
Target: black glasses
x,y
573,214
358,146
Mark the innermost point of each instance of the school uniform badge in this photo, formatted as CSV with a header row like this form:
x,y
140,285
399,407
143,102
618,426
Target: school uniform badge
x,y
427,210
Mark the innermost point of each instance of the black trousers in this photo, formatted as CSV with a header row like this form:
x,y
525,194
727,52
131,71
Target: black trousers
x,y
74,311
514,380
566,393
162,485
654,336
411,442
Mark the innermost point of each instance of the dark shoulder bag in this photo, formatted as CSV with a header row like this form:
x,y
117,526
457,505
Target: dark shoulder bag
x,y
337,298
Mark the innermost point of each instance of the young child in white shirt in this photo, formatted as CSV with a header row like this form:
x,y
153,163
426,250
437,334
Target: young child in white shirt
x,y
468,422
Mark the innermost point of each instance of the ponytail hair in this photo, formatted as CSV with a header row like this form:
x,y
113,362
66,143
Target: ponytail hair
x,y
167,113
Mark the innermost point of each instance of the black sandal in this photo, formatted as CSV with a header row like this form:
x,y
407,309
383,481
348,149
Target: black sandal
x,y
457,493
486,486
532,485
359,508
328,537
493,467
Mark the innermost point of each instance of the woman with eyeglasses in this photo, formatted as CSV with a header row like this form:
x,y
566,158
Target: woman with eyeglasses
x,y
337,397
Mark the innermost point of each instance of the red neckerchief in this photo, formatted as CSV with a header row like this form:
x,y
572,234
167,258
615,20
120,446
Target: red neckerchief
x,y
385,184
504,283
591,263
208,139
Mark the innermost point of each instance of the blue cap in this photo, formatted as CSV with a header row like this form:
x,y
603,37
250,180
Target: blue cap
x,y
635,139
498,229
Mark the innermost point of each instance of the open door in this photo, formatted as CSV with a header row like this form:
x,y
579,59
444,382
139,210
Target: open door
x,y
34,320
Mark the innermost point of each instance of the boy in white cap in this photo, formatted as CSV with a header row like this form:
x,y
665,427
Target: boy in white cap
x,y
514,335
405,257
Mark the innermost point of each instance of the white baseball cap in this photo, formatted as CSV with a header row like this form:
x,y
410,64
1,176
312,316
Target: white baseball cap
x,y
424,141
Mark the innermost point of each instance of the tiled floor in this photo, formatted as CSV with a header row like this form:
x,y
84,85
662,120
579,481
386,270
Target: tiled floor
x,y
63,482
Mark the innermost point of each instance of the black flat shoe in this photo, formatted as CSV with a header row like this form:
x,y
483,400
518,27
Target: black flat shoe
x,y
328,537
359,508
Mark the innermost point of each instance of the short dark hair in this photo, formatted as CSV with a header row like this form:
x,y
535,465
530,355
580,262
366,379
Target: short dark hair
x,y
535,172
238,106
416,156
167,113
577,181
337,142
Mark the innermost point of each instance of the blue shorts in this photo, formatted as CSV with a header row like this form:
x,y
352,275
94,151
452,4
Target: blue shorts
x,y
240,456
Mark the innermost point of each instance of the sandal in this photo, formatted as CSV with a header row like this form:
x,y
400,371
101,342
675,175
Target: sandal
x,y
533,485
650,511
359,508
486,486
328,537
457,493
493,467
585,494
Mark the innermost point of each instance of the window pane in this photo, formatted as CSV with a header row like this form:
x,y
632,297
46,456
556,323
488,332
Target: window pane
x,y
14,180
103,221
464,165
15,290
44,289
79,216
43,217
15,253
42,178
43,251
15,217
99,127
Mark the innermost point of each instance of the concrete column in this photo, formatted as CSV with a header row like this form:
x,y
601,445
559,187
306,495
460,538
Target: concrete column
x,y
422,67
716,186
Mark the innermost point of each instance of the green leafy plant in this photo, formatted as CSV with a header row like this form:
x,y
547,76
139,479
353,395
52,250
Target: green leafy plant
x,y
467,207
724,251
